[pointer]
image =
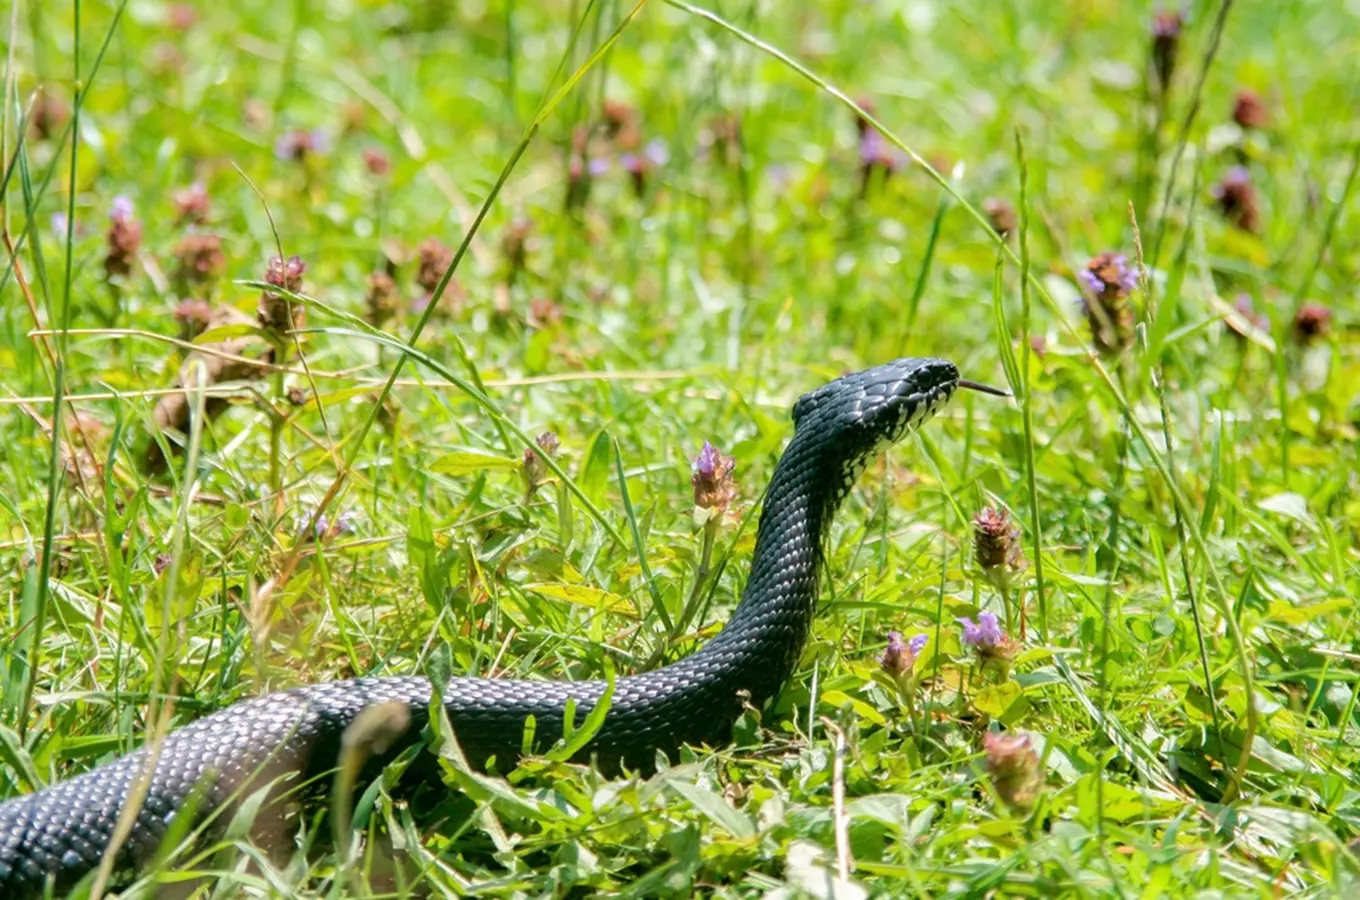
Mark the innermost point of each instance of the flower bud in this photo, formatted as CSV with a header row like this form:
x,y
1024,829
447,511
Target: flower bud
x,y
711,476
535,471
1014,768
996,545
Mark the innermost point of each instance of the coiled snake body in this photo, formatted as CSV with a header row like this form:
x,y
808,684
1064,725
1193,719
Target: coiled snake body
x,y
58,835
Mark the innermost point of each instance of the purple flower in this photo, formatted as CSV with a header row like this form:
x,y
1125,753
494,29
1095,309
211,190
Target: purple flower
x,y
1109,273
124,238
324,528
872,147
1107,280
122,209
345,523
711,477
296,146
1090,281
901,655
60,223
985,634
1236,178
657,151
598,166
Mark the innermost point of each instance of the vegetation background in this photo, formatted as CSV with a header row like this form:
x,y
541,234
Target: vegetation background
x,y
665,223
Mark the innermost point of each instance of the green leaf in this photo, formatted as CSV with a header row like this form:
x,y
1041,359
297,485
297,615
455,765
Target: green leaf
x,y
591,726
593,479
471,462
1003,332
715,808
838,699
585,595
182,597
1288,504
225,332
995,699
16,758
658,603
433,564
242,822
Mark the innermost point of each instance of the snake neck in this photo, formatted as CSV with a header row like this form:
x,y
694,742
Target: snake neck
x,y
767,632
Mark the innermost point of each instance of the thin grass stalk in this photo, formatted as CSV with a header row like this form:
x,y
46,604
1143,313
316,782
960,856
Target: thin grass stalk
x,y
1026,397
58,391
1183,138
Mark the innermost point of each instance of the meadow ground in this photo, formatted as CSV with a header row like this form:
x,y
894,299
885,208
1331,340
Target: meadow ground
x,y
666,224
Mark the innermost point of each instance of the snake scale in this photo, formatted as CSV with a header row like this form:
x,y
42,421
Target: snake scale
x,y
55,837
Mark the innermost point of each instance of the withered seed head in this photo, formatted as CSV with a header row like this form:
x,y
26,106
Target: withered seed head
x,y
1312,321
1249,110
1237,199
1001,215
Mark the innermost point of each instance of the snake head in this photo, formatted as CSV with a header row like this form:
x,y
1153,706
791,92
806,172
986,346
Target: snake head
x,y
865,411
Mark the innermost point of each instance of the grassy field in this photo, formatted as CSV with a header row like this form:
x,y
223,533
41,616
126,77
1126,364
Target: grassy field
x,y
665,224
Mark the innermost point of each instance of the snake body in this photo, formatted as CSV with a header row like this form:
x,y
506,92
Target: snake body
x,y
53,838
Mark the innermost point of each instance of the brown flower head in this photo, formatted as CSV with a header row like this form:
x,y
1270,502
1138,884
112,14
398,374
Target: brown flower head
x,y
277,313
200,259
1237,201
47,116
996,545
1014,768
867,104
193,317
515,245
721,140
534,470
181,16
1166,42
124,238
434,259
1002,216
166,59
544,311
376,162
1249,110
1107,283
381,302
1311,322
622,125
711,476
255,113
192,204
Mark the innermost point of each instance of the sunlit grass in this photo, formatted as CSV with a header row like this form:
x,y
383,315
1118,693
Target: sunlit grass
x,y
719,245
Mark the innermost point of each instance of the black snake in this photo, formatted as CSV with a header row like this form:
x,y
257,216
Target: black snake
x,y
58,835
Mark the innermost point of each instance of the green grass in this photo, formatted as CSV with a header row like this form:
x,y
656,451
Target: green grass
x,y
1187,507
